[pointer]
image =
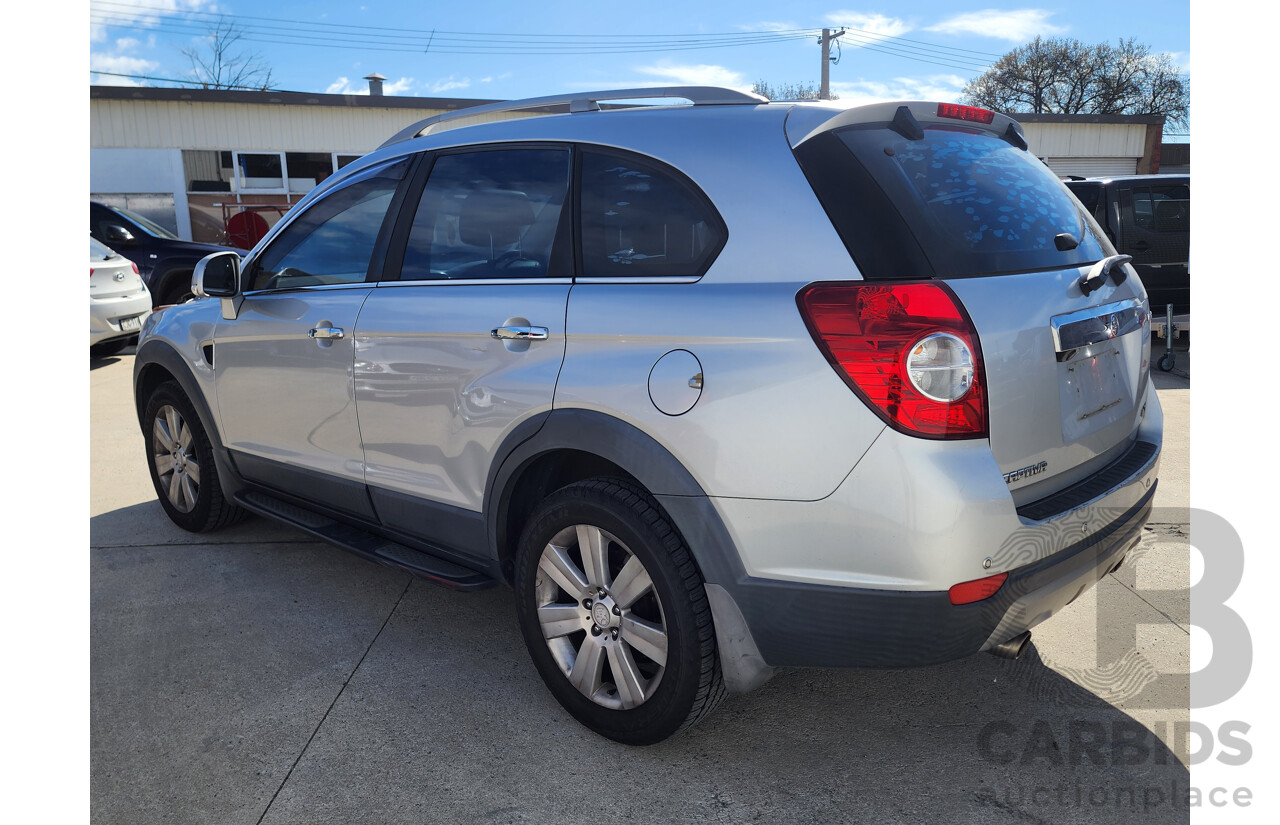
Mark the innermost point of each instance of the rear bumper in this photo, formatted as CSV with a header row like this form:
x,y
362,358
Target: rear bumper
x,y
105,316
807,625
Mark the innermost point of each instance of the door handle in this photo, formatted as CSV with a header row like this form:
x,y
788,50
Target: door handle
x,y
519,333
326,332
1141,246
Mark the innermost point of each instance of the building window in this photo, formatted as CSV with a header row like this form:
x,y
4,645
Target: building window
x,y
206,170
260,172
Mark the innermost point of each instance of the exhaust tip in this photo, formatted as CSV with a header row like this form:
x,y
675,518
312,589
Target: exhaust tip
x,y
1011,648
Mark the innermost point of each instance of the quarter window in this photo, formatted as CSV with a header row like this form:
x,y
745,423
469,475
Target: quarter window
x,y
333,241
488,214
641,221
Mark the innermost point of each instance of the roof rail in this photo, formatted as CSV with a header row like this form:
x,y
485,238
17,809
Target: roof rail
x,y
583,102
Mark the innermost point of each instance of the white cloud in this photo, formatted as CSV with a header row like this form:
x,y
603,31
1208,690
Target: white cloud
x,y
120,64
769,26
945,88
449,83
396,87
346,86
342,86
125,44
1017,26
866,28
700,74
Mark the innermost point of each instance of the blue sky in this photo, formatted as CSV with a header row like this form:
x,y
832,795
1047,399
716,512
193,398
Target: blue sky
x,y
488,49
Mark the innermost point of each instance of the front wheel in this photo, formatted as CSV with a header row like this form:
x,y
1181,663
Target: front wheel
x,y
615,614
180,458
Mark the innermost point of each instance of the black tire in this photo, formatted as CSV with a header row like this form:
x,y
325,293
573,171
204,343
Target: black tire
x,y
677,691
1167,362
108,348
177,289
180,459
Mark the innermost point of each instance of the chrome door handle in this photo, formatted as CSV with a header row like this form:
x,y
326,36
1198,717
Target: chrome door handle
x,y
519,333
326,332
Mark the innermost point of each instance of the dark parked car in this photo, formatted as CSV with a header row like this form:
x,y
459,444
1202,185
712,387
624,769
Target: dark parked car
x,y
164,260
1148,217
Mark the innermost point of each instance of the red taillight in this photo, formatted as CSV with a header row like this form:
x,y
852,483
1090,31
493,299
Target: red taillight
x,y
90,272
867,331
135,268
976,590
971,113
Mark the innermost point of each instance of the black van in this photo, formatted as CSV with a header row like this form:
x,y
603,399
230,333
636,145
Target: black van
x,y
1148,217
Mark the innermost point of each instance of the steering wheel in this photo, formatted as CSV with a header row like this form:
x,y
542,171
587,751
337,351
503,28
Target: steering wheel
x,y
506,259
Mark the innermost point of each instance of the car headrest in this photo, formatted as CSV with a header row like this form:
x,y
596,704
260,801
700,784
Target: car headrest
x,y
497,216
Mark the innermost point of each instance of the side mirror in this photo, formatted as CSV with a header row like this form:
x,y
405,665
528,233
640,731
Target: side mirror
x,y
217,276
117,235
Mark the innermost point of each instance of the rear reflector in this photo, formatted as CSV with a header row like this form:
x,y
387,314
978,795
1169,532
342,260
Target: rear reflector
x,y
976,590
971,113
882,339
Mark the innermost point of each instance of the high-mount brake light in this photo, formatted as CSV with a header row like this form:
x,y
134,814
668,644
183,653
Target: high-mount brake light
x,y
908,350
970,113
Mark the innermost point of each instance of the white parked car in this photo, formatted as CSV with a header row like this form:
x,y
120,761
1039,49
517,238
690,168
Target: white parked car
x,y
118,300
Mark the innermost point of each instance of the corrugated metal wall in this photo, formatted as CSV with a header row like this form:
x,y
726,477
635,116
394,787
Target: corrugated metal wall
x,y
1085,140
1093,167
244,127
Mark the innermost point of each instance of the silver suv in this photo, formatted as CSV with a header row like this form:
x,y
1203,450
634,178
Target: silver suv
x,y
716,388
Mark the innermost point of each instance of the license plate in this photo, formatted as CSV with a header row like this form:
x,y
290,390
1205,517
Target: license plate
x,y
130,324
1094,393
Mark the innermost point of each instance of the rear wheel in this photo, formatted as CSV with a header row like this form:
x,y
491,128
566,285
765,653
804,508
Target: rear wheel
x,y
614,613
180,458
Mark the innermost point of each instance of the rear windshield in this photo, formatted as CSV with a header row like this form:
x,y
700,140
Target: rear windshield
x,y
972,203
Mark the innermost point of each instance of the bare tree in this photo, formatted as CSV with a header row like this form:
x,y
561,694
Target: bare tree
x,y
217,65
1057,75
788,91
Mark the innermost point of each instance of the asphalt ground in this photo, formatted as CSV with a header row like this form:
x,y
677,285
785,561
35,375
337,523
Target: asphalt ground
x,y
258,676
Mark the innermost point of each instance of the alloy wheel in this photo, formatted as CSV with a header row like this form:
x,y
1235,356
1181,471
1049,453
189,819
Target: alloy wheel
x,y
174,454
601,617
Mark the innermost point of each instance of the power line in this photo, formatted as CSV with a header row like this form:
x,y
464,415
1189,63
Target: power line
x,y
326,40
188,82
388,39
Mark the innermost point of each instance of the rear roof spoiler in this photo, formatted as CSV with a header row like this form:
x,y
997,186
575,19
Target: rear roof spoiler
x,y
580,102
804,122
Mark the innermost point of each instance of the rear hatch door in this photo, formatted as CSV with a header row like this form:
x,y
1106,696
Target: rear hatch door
x,y
926,190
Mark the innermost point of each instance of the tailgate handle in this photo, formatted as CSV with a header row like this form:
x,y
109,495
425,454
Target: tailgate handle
x,y
1097,276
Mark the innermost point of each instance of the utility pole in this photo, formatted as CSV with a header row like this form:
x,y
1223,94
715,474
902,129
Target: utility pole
x,y
826,40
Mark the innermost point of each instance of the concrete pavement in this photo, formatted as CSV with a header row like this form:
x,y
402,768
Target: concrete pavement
x,y
256,676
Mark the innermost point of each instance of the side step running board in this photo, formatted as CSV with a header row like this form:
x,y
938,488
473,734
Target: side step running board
x,y
366,544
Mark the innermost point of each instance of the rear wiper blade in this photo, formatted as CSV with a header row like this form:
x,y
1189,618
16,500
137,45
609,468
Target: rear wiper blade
x,y
1098,274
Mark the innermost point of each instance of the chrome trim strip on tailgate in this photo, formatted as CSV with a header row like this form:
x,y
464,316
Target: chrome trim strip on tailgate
x,y
1097,324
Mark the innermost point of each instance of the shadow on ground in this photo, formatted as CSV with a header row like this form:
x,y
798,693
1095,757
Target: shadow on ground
x,y
270,673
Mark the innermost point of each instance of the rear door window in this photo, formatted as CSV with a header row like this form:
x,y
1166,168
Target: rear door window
x,y
642,220
490,214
